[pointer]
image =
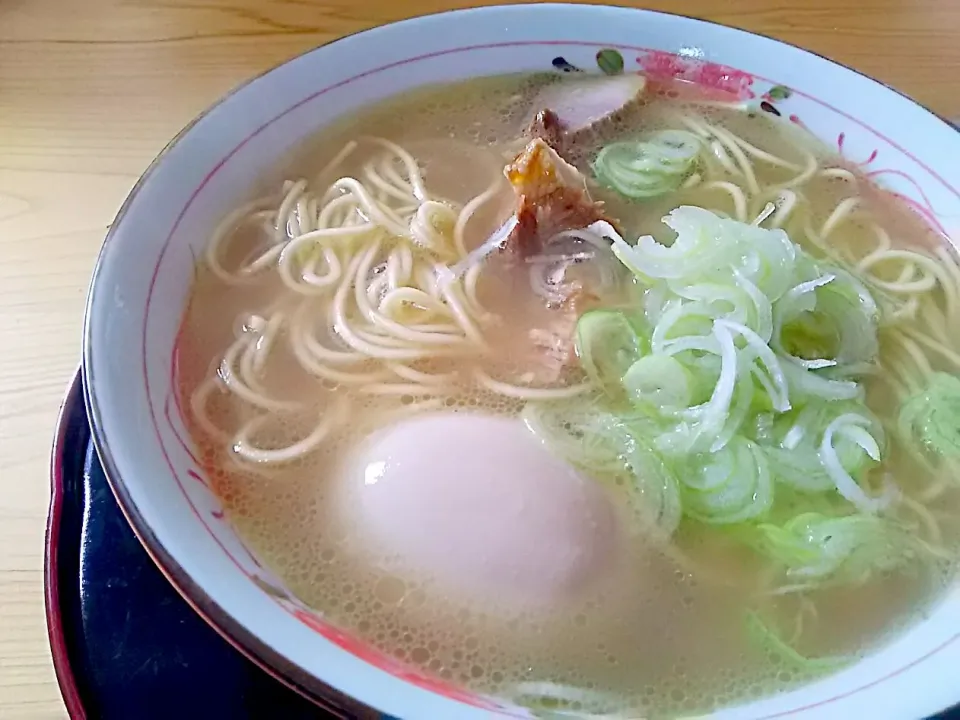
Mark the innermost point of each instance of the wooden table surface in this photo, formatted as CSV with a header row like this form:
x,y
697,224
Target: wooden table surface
x,y
89,93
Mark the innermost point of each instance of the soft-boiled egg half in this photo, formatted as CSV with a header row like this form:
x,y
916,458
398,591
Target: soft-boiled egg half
x,y
477,505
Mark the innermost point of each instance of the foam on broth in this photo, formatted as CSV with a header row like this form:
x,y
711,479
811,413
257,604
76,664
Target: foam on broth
x,y
670,636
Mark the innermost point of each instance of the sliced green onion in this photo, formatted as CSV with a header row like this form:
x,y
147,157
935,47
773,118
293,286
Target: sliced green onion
x,y
811,385
708,247
728,486
851,426
658,380
812,546
603,444
576,431
737,400
739,409
699,425
554,701
608,345
932,416
767,639
774,382
793,445
656,486
798,300
644,169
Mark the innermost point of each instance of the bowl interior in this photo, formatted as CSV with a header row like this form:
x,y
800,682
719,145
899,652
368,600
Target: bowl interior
x,y
144,273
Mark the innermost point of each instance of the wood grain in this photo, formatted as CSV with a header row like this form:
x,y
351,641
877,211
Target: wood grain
x,y
90,92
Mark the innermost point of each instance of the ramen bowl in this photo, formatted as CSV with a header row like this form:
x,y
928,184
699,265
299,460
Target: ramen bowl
x,y
143,276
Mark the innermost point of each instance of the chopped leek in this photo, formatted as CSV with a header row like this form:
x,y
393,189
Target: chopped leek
x,y
826,321
611,447
851,426
607,345
932,416
793,448
654,486
647,168
728,486
659,380
554,701
577,433
766,638
708,247
737,400
813,546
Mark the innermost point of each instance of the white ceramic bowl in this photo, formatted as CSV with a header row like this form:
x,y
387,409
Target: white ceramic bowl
x,y
143,276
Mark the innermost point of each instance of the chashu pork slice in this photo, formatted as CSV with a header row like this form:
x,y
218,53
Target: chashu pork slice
x,y
570,110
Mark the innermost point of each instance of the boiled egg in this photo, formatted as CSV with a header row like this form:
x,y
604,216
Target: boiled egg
x,y
478,505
